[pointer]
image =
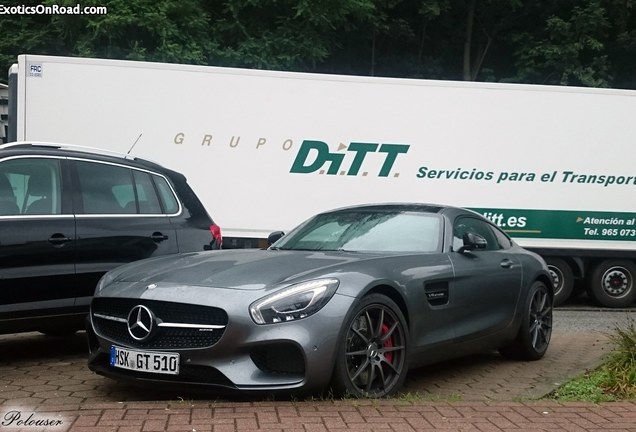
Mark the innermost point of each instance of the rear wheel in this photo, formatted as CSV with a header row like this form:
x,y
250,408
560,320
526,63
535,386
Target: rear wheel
x,y
612,283
372,350
562,279
535,331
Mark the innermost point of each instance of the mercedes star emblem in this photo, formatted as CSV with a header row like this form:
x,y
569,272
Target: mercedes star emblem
x,y
141,322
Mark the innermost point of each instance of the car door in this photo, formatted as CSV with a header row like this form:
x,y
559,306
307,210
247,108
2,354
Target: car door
x,y
487,282
119,219
37,247
426,276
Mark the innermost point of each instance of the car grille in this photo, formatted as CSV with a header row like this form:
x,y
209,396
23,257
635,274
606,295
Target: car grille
x,y
109,317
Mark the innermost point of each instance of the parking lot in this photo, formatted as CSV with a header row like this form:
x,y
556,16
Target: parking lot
x,y
47,379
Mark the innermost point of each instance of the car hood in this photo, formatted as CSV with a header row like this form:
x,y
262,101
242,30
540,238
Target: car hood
x,y
239,269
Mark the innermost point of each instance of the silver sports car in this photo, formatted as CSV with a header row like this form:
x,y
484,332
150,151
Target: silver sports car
x,y
347,301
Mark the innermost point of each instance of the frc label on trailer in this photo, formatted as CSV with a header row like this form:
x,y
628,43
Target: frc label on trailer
x,y
315,155
35,70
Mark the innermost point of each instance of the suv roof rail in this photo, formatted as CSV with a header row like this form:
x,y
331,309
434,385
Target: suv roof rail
x,y
69,147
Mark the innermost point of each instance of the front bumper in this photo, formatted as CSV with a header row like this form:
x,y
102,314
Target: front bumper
x,y
296,355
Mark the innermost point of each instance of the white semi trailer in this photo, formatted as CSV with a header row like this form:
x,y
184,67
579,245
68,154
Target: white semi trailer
x,y
553,166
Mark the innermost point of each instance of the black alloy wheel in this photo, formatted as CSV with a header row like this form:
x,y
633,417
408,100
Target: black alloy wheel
x,y
372,359
535,332
540,322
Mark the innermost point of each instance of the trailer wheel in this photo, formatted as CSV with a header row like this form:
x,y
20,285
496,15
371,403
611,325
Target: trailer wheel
x,y
562,279
612,283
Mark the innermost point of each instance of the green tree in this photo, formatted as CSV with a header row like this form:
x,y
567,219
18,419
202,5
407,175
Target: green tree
x,y
484,23
621,42
26,34
156,30
568,49
395,39
566,42
278,34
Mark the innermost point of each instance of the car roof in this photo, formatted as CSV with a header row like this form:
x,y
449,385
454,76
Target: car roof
x,y
449,211
383,207
69,150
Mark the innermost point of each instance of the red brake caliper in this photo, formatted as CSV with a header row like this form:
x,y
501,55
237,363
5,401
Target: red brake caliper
x,y
387,343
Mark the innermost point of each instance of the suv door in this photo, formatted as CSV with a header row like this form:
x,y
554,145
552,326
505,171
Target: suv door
x,y
120,219
37,247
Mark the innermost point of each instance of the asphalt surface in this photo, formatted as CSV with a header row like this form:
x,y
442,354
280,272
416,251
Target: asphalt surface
x,y
45,381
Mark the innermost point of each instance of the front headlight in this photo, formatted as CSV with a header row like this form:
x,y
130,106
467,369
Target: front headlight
x,y
294,303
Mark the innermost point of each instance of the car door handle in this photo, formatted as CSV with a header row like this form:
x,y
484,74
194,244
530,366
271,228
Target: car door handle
x,y
58,239
157,236
506,263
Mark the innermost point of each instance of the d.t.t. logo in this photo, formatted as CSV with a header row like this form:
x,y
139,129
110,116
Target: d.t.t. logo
x,y
313,155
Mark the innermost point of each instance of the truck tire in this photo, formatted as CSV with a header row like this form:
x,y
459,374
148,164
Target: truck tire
x,y
611,283
562,279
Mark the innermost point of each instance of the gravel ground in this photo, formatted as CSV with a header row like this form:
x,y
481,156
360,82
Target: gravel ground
x,y
589,319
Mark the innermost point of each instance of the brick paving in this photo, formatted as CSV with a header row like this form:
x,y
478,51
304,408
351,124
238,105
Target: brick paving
x,y
45,380
340,415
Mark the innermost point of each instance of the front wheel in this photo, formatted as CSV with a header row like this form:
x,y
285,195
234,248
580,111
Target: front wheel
x,y
612,283
535,331
372,350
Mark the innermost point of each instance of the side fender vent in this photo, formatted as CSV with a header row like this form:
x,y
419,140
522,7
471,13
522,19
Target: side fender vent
x,y
436,293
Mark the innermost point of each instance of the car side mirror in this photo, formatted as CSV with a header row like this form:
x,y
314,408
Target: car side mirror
x,y
472,242
274,237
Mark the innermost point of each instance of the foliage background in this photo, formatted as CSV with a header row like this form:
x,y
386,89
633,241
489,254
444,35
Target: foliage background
x,y
563,42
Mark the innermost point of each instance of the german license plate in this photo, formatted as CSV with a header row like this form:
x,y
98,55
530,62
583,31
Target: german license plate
x,y
144,361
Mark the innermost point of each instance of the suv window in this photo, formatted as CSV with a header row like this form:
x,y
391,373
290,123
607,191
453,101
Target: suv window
x,y
30,186
112,189
170,203
138,197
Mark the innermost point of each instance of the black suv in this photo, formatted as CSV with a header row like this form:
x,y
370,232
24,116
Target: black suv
x,y
69,214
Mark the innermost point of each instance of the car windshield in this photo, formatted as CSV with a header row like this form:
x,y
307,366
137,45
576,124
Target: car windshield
x,y
367,231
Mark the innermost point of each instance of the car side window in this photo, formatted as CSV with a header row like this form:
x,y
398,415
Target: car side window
x,y
30,186
170,203
111,189
104,187
502,239
147,200
473,225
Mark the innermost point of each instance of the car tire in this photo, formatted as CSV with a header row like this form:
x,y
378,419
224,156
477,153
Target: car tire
x,y
535,331
563,279
372,355
611,283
